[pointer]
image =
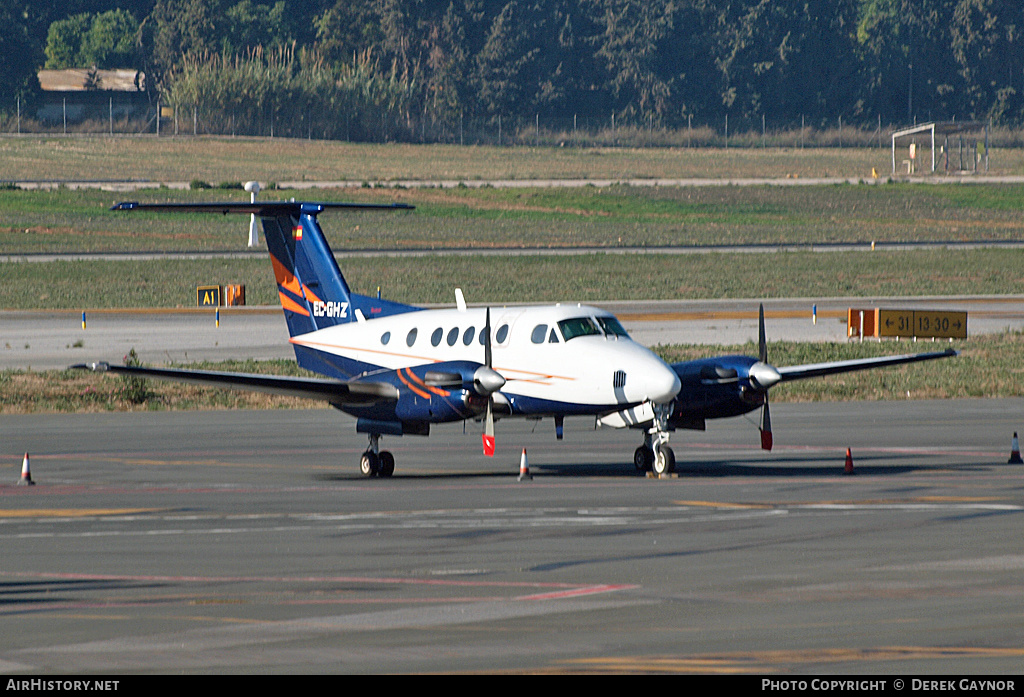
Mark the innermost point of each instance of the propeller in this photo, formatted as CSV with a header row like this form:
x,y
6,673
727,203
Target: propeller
x,y
764,375
488,381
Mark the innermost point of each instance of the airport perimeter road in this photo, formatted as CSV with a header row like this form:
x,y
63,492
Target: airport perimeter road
x,y
245,542
53,340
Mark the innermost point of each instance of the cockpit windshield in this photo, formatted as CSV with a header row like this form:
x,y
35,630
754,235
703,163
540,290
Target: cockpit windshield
x,y
611,326
578,326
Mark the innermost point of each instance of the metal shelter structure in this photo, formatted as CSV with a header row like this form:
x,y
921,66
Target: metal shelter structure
x,y
943,129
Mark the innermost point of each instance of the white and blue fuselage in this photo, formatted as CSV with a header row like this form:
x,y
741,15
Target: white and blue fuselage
x,y
556,360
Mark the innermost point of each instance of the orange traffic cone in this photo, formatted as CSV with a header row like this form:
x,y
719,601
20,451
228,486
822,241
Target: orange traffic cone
x,y
524,467
1015,458
848,468
26,476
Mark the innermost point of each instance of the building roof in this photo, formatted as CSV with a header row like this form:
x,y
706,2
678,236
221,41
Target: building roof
x,y
86,79
942,128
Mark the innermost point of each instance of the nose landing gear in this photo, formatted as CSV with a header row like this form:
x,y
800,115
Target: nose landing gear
x,y
655,455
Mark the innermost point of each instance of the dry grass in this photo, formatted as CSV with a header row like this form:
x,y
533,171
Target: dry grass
x,y
220,159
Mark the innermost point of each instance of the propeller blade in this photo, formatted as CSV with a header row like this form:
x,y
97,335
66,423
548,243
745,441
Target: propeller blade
x,y
766,426
487,338
488,436
765,376
762,344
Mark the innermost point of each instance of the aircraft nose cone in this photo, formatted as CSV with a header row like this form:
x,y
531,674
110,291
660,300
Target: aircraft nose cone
x,y
764,375
663,385
487,380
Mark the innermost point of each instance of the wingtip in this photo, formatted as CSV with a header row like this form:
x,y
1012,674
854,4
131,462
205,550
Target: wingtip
x,y
100,367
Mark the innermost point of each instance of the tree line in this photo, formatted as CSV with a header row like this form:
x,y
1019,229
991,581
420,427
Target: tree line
x,y
355,68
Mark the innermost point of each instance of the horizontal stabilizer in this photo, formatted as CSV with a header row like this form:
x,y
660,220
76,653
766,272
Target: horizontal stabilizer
x,y
261,208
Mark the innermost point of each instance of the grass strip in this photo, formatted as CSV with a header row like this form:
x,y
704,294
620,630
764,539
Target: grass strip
x,y
592,277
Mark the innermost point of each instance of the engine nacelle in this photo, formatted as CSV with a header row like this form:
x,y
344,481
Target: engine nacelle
x,y
438,406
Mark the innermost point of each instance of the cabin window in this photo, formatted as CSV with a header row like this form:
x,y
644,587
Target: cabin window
x,y
453,336
578,326
385,338
611,326
467,338
498,337
411,338
539,332
435,338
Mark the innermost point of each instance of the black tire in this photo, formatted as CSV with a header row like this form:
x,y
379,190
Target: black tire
x,y
369,464
665,461
386,463
643,458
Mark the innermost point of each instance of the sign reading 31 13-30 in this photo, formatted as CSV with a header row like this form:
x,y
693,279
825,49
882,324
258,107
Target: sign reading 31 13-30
x,y
922,323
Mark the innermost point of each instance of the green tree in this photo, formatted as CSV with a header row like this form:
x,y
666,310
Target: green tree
x,y
64,41
110,41
346,29
909,65
988,44
247,25
630,38
176,28
506,61
20,54
787,59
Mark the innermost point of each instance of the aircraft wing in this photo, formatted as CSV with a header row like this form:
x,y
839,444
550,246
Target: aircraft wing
x,y
813,370
325,389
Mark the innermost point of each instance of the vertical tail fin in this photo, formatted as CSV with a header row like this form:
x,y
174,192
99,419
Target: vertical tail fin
x,y
313,292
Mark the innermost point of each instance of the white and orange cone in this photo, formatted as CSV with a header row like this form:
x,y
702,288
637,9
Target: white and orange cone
x,y
848,467
26,475
524,467
1015,458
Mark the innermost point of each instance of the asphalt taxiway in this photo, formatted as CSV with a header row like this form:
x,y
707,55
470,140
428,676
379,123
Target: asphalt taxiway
x,y
246,542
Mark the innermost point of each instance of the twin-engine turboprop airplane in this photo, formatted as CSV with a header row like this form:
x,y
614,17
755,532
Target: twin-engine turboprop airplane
x,y
398,369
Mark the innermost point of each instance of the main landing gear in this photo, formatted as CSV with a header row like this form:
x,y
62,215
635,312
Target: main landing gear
x,y
376,462
655,455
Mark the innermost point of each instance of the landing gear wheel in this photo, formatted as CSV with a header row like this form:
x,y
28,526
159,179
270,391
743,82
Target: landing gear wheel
x,y
664,461
369,464
386,463
643,458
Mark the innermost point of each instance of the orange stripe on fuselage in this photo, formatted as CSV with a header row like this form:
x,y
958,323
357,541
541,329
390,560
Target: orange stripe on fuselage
x,y
339,349
421,393
436,390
